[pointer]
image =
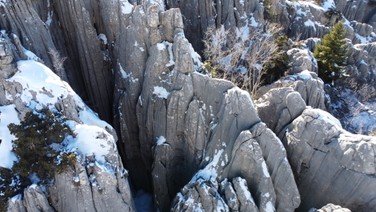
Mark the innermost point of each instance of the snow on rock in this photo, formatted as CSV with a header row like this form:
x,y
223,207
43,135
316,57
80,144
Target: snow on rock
x,y
170,54
126,75
310,23
2,3
37,79
8,115
42,88
30,55
161,92
265,170
253,22
102,37
90,140
305,75
160,46
356,116
209,172
327,117
49,14
126,7
161,140
328,4
89,117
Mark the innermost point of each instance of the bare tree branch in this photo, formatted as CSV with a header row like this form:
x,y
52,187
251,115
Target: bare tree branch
x,y
239,56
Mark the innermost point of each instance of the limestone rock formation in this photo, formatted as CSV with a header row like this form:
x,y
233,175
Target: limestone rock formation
x,y
351,10
250,155
199,15
317,144
98,180
323,155
306,83
194,141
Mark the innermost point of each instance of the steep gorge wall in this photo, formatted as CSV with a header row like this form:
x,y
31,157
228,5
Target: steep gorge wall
x,y
178,128
158,99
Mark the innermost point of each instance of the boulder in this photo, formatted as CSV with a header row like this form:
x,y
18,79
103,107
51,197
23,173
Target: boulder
x,y
325,158
306,83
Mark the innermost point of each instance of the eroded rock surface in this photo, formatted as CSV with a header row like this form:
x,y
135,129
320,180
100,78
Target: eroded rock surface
x,y
323,156
97,180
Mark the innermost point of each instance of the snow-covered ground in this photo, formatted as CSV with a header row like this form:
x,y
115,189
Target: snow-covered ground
x,y
356,117
42,88
8,115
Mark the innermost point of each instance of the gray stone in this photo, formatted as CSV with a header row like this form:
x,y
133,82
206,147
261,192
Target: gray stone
x,y
330,208
325,158
279,107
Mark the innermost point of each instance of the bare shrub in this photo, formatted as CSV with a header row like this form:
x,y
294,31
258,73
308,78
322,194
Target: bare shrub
x,y
239,55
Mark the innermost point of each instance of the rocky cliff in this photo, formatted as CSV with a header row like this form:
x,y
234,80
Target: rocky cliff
x,y
195,142
96,180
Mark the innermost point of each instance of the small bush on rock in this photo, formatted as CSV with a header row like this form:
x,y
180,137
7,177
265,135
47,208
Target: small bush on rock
x,y
36,139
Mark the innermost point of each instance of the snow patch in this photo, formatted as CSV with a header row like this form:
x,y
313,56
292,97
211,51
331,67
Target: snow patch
x,y
209,172
363,39
161,46
8,115
244,187
195,57
42,88
161,140
89,117
305,75
269,207
16,198
253,22
102,37
328,4
126,7
30,55
265,169
49,14
161,92
301,12
37,79
327,117
125,75
310,23
3,2
170,54
90,140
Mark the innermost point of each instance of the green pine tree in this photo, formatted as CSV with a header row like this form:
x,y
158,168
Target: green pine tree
x,y
331,55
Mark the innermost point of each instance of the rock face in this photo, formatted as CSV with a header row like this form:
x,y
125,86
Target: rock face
x,y
247,154
193,122
323,155
74,36
323,147
199,15
195,142
97,181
